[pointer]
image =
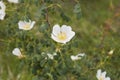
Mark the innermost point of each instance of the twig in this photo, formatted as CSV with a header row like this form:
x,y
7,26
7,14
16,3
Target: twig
x,y
47,18
107,28
46,15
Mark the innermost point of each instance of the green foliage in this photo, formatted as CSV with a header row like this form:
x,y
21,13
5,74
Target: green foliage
x,y
94,37
77,10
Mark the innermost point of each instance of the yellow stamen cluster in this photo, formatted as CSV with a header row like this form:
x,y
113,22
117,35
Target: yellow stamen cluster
x,y
101,78
27,26
62,36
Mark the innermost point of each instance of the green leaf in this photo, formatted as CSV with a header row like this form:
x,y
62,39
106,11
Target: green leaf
x,y
64,16
77,10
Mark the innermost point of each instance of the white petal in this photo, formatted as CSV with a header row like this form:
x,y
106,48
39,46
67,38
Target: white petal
x,y
70,35
110,52
81,54
21,24
103,74
16,52
2,14
56,30
32,24
2,10
2,6
107,78
98,73
75,58
68,30
54,38
13,1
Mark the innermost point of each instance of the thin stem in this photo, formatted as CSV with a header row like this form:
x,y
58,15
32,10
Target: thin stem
x,y
106,28
47,18
46,15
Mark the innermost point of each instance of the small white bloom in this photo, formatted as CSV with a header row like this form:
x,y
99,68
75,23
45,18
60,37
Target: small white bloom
x,y
62,34
26,25
101,75
111,52
17,52
2,10
77,57
13,1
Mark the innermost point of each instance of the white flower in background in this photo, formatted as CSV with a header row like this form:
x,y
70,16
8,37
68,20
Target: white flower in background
x,y
101,75
62,34
111,52
24,25
77,57
2,10
13,1
17,52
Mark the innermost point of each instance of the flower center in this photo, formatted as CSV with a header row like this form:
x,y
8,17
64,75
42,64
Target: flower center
x,y
27,26
62,36
101,78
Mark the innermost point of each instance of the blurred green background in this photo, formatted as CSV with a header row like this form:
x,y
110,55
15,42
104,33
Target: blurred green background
x,y
97,28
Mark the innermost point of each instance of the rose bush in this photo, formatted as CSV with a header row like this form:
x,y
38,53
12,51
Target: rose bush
x,y
60,40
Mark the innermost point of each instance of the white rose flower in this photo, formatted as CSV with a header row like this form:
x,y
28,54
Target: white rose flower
x,y
77,57
2,10
13,1
26,25
62,34
101,75
17,53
